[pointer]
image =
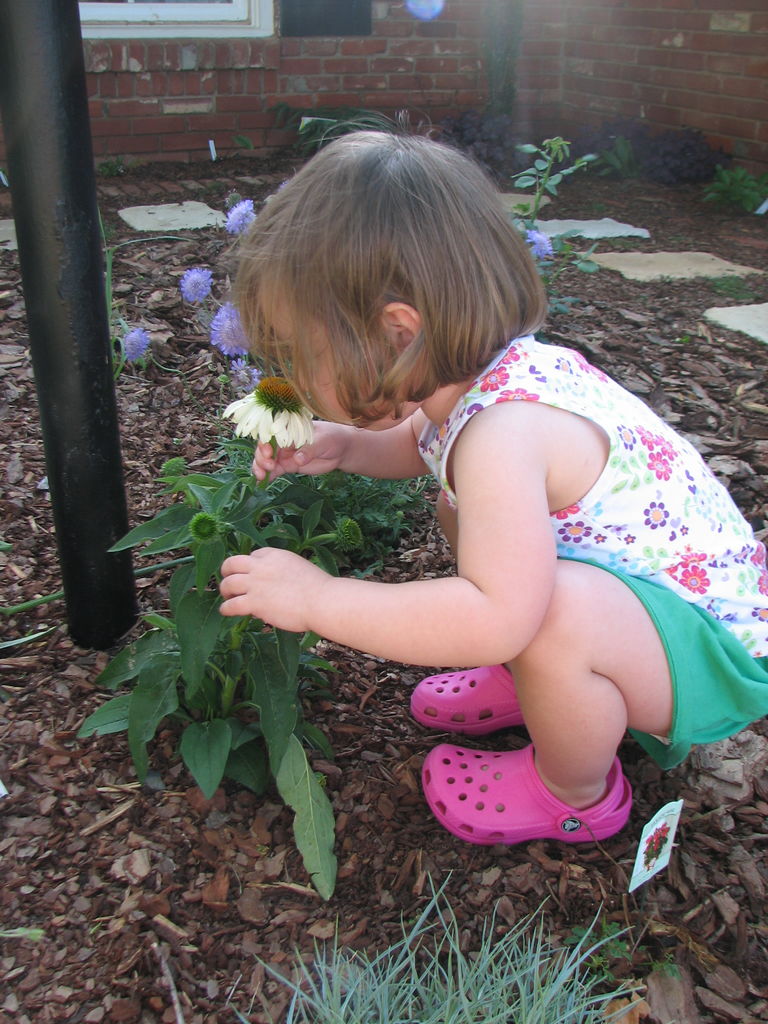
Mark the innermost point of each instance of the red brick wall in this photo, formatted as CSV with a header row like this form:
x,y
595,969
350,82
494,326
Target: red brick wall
x,y
696,63
163,100
701,63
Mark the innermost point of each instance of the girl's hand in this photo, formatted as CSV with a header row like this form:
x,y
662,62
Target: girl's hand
x,y
328,448
274,585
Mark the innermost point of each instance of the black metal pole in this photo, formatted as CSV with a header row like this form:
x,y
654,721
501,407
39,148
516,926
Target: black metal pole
x,y
44,106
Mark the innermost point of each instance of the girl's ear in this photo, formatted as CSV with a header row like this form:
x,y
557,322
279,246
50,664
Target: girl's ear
x,y
401,322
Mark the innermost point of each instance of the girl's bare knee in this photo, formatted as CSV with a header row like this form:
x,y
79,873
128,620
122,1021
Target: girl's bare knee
x,y
596,626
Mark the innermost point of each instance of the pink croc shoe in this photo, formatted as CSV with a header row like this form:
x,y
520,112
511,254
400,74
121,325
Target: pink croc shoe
x,y
492,797
475,701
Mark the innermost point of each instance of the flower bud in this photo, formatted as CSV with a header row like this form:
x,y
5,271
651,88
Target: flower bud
x,y
204,527
349,536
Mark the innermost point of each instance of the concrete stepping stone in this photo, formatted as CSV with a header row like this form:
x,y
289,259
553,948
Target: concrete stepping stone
x,y
654,266
172,216
751,320
606,227
8,235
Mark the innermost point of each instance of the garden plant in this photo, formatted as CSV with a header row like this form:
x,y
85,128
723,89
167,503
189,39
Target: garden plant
x,y
516,974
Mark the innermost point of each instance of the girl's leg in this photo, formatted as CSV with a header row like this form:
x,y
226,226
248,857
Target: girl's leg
x,y
596,666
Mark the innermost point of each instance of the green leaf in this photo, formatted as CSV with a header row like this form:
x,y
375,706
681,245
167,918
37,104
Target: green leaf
x,y
278,531
313,824
135,657
159,621
203,479
587,266
272,673
317,739
204,696
311,518
251,507
301,495
170,520
181,581
110,717
205,748
203,496
223,496
326,560
208,559
525,181
248,765
289,651
198,623
6,644
244,732
169,541
153,698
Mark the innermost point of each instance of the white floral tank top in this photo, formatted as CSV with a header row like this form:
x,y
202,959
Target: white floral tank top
x,y
656,510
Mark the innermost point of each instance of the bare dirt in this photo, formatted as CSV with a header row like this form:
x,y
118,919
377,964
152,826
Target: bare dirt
x,y
133,885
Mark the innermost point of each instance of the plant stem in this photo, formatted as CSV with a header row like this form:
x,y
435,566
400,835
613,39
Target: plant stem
x,y
266,481
227,696
319,538
236,634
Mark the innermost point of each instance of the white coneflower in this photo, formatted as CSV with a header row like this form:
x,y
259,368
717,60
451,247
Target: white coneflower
x,y
272,412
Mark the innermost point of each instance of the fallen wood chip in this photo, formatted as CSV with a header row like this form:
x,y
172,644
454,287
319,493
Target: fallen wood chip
x,y
107,818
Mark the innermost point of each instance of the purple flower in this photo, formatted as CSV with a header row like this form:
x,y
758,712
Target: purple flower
x,y
541,246
655,515
244,376
195,284
135,344
240,216
575,532
227,332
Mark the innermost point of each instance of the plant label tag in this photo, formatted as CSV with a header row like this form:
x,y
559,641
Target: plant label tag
x,y
656,842
3,790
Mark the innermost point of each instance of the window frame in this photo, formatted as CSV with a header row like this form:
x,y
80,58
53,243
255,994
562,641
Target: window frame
x,y
160,20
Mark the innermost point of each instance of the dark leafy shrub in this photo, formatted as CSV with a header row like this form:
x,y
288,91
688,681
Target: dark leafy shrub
x,y
384,510
629,148
680,156
619,161
490,138
602,138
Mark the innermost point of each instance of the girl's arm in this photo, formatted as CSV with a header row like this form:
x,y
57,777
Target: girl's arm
x,y
486,614
387,454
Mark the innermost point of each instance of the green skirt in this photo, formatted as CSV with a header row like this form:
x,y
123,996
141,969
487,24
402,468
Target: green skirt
x,y
718,687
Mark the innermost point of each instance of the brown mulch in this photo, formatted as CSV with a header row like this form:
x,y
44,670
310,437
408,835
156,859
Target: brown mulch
x,y
133,885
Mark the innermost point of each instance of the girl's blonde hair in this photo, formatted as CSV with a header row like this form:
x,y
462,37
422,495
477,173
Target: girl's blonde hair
x,y
376,218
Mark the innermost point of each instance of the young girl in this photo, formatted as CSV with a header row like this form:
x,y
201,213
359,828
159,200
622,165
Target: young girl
x,y
605,580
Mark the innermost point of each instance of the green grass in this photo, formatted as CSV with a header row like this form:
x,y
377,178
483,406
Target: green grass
x,y
515,975
733,287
